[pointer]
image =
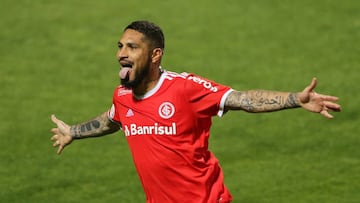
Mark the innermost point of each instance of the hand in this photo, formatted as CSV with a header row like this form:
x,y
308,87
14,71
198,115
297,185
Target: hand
x,y
61,135
318,103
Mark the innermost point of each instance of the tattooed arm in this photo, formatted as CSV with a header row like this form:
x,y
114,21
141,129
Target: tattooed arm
x,y
266,101
65,134
96,127
255,101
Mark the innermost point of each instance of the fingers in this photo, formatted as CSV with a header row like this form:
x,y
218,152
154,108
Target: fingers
x,y
55,131
326,114
54,119
57,143
60,149
332,106
326,102
58,122
312,85
328,97
329,106
54,138
57,138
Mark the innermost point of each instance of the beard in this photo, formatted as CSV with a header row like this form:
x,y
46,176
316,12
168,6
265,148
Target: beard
x,y
140,76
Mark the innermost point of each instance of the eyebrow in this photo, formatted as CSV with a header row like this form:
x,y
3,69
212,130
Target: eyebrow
x,y
128,44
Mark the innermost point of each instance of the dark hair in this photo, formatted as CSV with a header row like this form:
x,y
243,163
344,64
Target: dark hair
x,y
151,31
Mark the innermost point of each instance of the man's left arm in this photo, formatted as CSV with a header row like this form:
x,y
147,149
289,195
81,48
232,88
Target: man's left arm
x,y
256,101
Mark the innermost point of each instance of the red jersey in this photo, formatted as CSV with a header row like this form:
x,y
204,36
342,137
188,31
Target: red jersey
x,y
167,131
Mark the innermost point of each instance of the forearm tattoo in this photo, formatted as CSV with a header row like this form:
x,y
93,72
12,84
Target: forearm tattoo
x,y
96,127
292,101
261,101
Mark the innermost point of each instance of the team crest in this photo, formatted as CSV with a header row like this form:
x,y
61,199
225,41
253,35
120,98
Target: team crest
x,y
166,110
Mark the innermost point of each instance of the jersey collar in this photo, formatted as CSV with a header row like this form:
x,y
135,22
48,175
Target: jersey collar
x,y
156,88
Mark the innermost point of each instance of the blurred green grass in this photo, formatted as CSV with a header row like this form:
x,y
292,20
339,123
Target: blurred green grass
x,y
59,57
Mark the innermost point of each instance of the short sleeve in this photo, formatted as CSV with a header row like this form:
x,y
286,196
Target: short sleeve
x,y
206,97
112,114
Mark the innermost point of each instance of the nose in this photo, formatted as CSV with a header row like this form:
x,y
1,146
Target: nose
x,y
121,53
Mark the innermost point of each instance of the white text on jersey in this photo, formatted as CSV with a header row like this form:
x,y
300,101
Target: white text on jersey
x,y
203,82
155,129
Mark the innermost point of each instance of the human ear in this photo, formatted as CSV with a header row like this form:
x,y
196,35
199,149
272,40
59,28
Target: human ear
x,y
156,55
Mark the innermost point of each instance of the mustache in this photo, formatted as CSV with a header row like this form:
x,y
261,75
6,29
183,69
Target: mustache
x,y
125,61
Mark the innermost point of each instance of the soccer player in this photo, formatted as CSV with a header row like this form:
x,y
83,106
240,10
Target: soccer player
x,y
166,119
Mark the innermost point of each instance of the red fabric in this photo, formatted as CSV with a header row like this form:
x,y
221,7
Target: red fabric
x,y
167,131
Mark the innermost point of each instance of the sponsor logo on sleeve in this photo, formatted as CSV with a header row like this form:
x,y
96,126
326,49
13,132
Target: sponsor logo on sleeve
x,y
206,84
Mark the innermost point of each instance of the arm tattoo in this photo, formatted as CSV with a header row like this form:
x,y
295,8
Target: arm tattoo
x,y
96,127
292,101
260,101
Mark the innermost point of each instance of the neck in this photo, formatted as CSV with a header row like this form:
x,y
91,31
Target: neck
x,y
148,84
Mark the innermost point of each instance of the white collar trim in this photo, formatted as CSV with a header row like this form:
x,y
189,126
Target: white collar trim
x,y
156,88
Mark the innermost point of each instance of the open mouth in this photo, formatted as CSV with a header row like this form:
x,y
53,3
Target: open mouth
x,y
125,70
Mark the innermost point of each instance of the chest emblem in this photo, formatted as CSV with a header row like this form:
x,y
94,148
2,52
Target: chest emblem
x,y
166,110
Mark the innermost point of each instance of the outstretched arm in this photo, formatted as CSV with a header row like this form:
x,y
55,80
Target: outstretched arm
x,y
256,101
64,134
99,126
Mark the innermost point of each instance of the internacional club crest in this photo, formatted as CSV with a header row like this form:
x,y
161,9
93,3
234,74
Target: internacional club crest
x,y
166,110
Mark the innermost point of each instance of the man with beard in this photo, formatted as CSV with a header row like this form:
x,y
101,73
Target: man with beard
x,y
166,118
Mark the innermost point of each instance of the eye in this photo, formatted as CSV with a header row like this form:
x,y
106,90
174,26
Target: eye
x,y
120,45
133,46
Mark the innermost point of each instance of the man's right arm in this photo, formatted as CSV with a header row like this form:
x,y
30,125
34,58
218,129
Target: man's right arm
x,y
99,126
64,134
